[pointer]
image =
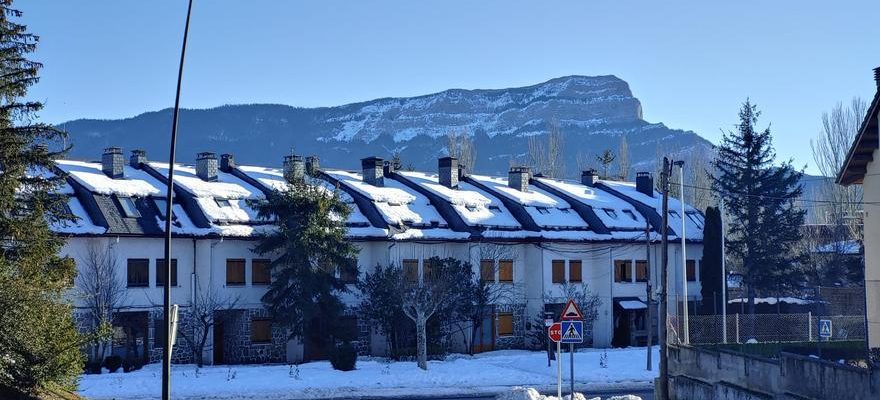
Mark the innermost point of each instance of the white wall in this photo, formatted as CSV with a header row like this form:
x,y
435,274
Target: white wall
x,y
871,186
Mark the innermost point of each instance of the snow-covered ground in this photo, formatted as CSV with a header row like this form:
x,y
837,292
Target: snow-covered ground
x,y
485,373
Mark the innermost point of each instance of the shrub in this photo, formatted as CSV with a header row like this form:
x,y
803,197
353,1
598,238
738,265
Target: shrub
x,y
112,363
343,357
93,367
131,364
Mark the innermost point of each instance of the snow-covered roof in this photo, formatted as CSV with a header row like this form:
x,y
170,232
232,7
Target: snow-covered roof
x,y
133,183
694,220
397,203
613,211
273,178
83,224
475,206
547,210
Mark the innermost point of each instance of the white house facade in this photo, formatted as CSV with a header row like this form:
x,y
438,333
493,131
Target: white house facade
x,y
529,233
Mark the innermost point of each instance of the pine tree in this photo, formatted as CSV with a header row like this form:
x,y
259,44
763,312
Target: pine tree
x,y
760,198
310,248
39,344
710,265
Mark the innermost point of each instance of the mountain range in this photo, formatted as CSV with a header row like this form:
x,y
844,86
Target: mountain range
x,y
591,112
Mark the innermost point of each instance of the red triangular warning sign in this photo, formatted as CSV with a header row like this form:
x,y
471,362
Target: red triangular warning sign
x,y
571,311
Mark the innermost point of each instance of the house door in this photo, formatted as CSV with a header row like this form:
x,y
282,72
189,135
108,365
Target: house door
x,y
219,344
622,328
484,339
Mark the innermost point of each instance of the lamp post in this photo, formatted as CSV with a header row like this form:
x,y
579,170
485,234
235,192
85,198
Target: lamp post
x,y
166,306
684,278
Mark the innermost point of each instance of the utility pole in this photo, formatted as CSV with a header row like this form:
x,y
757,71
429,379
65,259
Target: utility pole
x,y
723,273
166,306
685,326
650,321
664,283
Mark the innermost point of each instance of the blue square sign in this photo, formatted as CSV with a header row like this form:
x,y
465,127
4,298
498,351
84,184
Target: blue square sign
x,y
572,332
824,328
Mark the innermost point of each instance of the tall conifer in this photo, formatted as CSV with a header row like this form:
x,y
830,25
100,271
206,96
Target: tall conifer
x,y
760,196
39,345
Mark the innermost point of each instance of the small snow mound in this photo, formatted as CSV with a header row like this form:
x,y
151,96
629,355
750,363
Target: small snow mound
x,y
752,341
521,393
625,397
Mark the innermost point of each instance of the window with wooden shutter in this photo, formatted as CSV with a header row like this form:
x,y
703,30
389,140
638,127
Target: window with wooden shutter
x,y
505,324
641,270
160,272
575,271
234,271
261,330
505,271
261,271
558,271
691,270
623,271
138,272
348,272
411,270
487,270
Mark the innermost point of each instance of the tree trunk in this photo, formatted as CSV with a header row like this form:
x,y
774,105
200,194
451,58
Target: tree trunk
x,y
422,341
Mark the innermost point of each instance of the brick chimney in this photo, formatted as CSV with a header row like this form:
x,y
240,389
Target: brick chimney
x,y
447,169
518,178
112,162
372,169
206,166
294,169
227,162
138,158
645,183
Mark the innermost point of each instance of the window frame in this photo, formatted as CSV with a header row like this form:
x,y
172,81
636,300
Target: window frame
x,y
243,272
128,272
222,203
636,275
487,270
268,272
268,332
410,268
571,270
505,265
348,272
618,278
557,271
174,272
691,270
502,332
128,206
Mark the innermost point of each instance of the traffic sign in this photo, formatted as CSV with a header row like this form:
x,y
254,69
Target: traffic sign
x,y
825,328
572,331
555,332
571,311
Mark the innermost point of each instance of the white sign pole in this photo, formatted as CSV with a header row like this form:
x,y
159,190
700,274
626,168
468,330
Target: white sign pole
x,y
559,369
685,327
723,276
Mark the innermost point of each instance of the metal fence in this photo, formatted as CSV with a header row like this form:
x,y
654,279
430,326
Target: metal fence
x,y
765,328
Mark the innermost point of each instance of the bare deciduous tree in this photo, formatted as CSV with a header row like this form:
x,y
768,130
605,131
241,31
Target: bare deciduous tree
x,y
548,157
491,292
100,286
605,159
461,146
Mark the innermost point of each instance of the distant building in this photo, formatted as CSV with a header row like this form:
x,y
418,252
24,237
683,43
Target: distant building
x,y
861,168
542,233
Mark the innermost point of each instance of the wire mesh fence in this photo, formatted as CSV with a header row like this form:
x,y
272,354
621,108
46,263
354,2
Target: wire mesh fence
x,y
765,328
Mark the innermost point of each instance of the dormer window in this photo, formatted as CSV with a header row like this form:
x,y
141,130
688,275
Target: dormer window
x,y
495,209
543,210
565,210
471,208
630,214
128,207
697,219
611,213
162,205
222,203
674,214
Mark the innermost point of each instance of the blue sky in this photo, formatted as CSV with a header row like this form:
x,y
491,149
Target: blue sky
x,y
690,63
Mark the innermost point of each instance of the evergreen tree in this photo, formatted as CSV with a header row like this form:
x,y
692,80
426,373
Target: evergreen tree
x,y
760,198
310,251
39,344
710,265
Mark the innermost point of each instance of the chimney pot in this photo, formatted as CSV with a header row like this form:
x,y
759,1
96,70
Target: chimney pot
x,y
294,169
645,183
138,158
227,162
372,169
448,170
877,76
518,178
206,166
112,162
589,177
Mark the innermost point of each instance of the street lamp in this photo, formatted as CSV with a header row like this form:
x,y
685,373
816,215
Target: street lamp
x,y
684,279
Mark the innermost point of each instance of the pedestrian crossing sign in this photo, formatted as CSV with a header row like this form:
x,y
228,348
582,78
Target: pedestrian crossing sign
x,y
825,328
572,332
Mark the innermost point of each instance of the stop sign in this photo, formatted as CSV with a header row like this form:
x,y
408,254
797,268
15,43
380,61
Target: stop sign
x,y
555,332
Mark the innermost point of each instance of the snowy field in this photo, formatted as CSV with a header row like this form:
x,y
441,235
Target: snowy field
x,y
485,373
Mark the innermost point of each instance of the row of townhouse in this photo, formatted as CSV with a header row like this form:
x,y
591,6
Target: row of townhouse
x,y
531,232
